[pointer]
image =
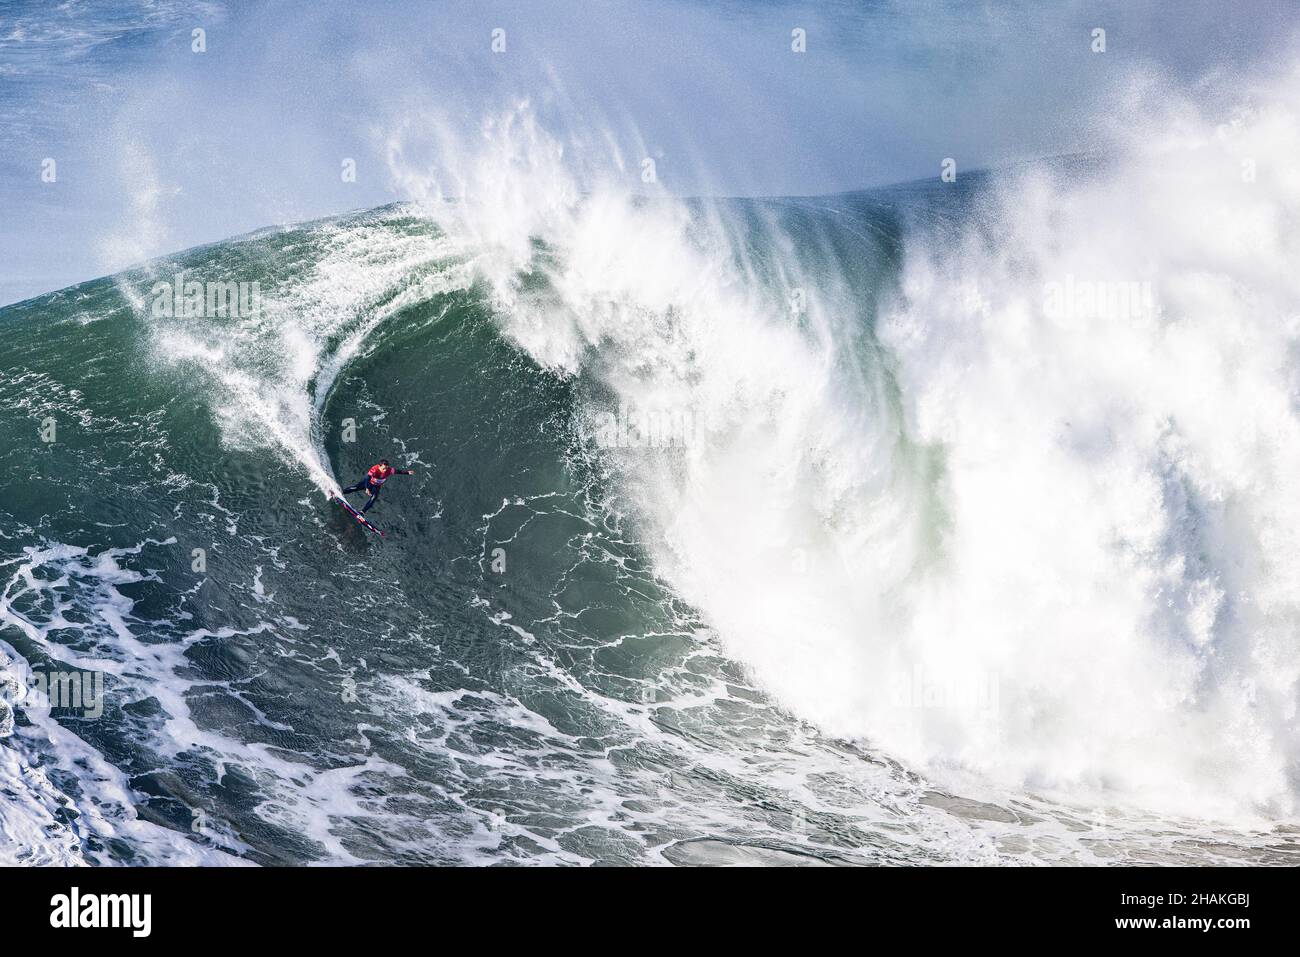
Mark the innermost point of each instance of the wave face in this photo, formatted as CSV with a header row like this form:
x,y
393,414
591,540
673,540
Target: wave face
x,y
943,523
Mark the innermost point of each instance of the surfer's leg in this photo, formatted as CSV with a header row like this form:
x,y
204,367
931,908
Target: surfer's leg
x,y
355,488
374,497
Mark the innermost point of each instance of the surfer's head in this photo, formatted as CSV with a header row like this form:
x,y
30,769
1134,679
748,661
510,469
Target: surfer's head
x,y
383,461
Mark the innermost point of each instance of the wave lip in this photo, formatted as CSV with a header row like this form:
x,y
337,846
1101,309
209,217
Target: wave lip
x,y
1026,524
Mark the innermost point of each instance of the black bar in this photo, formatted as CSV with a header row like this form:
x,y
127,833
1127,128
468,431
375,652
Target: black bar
x,y
330,906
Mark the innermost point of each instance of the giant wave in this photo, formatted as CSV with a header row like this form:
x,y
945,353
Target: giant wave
x,y
938,571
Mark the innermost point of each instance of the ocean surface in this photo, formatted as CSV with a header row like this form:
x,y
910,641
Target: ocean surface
x,y
876,528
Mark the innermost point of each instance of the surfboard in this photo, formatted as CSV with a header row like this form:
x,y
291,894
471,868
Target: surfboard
x,y
358,516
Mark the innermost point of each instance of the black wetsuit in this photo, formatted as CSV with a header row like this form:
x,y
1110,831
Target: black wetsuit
x,y
366,485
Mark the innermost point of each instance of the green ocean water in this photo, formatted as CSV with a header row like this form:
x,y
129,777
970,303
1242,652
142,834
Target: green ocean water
x,y
507,677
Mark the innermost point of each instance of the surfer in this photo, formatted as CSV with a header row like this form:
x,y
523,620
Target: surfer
x,y
374,481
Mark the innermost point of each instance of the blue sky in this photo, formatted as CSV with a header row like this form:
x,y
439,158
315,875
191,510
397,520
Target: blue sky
x,y
159,148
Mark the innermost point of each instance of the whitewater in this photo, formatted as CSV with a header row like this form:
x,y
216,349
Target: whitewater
x,y
959,558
